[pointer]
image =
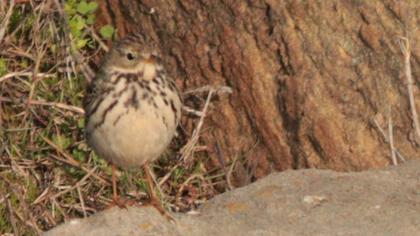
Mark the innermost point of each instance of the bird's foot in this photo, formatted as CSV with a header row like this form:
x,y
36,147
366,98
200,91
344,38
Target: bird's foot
x,y
158,206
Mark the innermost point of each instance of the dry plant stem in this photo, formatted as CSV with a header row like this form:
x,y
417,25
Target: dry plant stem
x,y
166,177
384,136
18,52
3,199
40,51
12,217
88,73
192,111
229,174
6,19
391,139
78,184
29,158
188,149
208,88
51,104
407,54
25,74
189,179
70,160
41,197
98,39
59,105
82,202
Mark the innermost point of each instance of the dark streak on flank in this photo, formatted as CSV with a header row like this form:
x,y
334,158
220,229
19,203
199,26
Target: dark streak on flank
x,y
172,86
99,102
152,91
173,106
165,122
106,112
174,110
141,84
163,82
154,104
118,119
96,103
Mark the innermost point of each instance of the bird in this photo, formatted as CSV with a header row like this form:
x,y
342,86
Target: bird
x,y
132,109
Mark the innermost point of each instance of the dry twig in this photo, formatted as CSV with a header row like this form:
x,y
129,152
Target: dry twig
x,y
189,148
6,19
51,104
71,161
25,74
405,48
391,138
386,138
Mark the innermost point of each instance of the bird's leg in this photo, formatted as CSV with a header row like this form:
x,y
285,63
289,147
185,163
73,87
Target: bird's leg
x,y
116,200
154,200
149,181
114,184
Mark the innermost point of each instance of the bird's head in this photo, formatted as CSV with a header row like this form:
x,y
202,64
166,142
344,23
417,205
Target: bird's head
x,y
132,54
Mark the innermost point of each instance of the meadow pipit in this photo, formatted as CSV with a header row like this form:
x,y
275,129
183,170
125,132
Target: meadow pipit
x,y
132,108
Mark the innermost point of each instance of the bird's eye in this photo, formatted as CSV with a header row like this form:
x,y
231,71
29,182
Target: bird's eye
x,y
130,56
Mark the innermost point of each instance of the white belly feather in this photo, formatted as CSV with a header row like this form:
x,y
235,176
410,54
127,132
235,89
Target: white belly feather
x,y
130,136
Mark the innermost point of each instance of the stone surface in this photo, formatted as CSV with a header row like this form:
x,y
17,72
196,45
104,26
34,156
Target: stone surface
x,y
303,202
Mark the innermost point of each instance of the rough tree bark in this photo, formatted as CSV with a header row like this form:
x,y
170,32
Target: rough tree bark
x,y
309,78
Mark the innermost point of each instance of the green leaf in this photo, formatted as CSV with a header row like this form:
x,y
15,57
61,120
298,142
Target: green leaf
x,y
81,123
69,9
54,48
3,66
79,155
81,43
77,23
107,31
90,19
92,7
83,7
61,141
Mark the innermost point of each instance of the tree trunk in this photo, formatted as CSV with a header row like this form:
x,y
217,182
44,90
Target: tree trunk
x,y
312,80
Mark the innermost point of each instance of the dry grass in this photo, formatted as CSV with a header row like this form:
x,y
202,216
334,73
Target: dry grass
x,y
47,172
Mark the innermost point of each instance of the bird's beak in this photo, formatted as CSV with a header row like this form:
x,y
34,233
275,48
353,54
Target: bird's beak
x,y
150,59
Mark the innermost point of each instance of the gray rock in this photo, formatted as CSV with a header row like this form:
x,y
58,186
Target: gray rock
x,y
302,202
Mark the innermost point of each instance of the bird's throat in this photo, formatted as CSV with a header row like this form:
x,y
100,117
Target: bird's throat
x,y
149,71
